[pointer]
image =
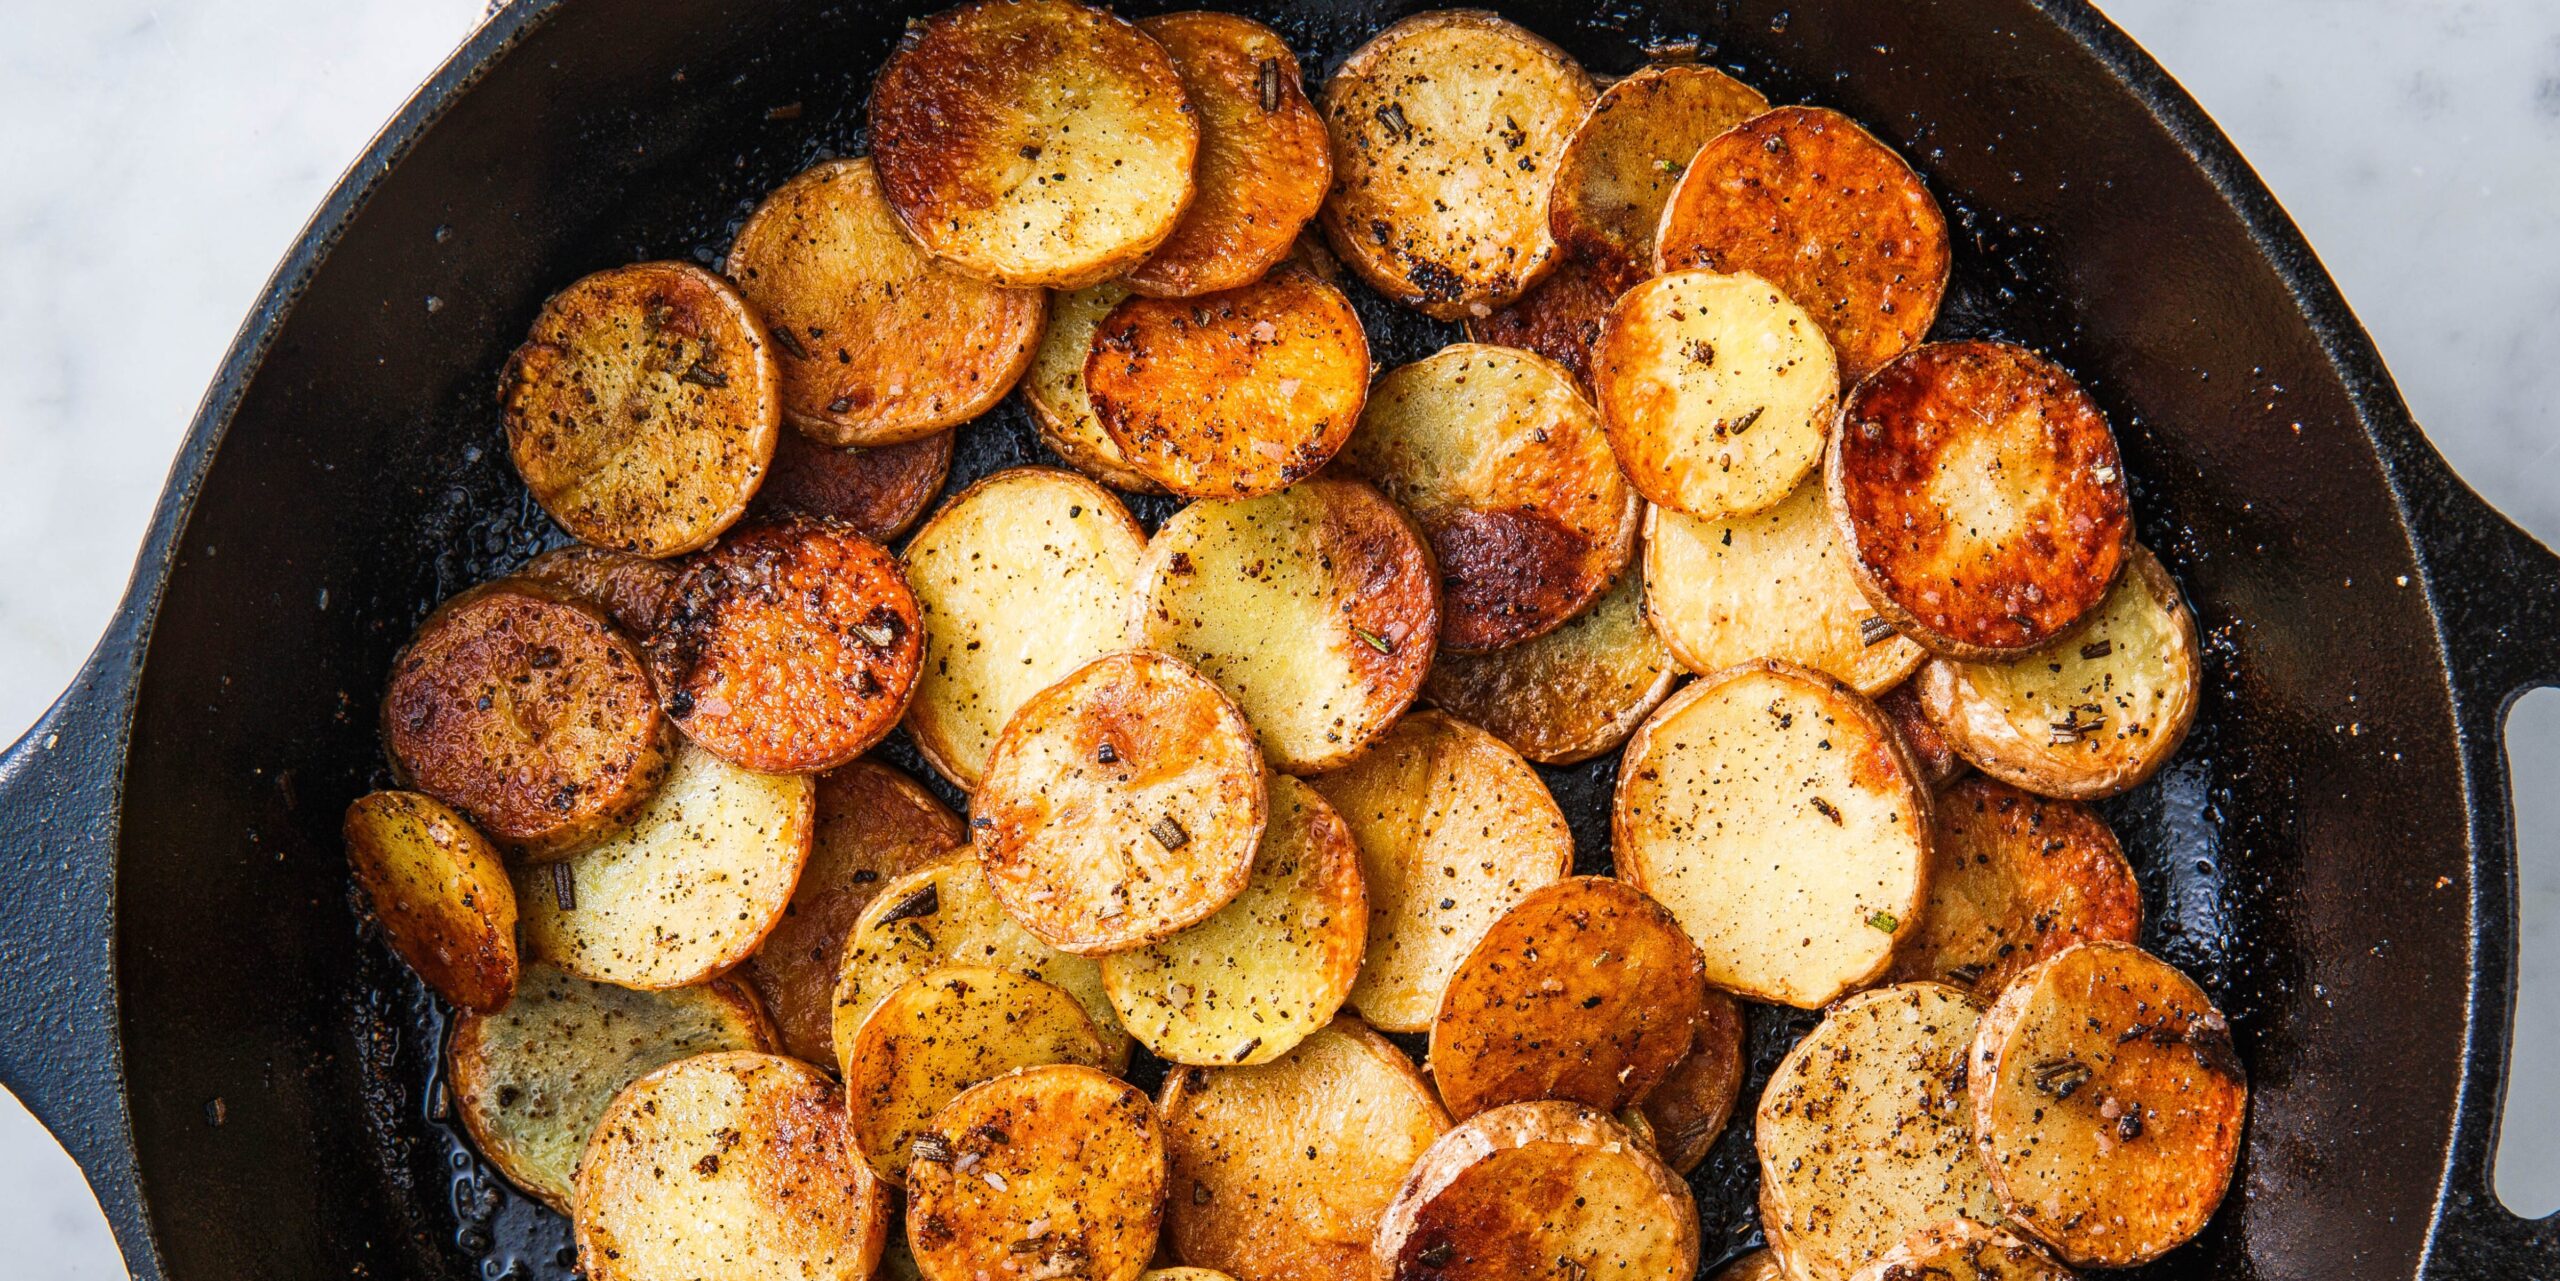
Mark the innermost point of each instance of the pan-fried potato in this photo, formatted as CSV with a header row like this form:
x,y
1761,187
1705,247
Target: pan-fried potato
x,y
724,1166
1446,129
1055,389
1273,965
1185,1274
1263,164
2094,713
1120,806
442,895
1864,1133
1054,1171
1547,1191
1316,609
1507,470
532,1080
1717,391
1939,762
1571,694
1774,584
643,409
1281,1171
1626,156
1804,198
1560,317
879,490
1759,1265
633,591
878,343
1453,828
1585,990
2013,879
942,1033
1022,578
685,893
1963,1250
1033,142
2109,1101
1775,813
1693,1102
1231,394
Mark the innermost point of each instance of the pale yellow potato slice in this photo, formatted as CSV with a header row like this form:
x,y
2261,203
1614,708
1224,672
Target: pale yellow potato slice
x,y
1571,694
441,893
1545,1191
1055,390
1620,166
943,1032
1048,1172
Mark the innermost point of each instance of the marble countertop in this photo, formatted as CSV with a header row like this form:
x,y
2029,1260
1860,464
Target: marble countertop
x,y
156,159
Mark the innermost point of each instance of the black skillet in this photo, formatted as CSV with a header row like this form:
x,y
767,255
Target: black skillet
x,y
189,1000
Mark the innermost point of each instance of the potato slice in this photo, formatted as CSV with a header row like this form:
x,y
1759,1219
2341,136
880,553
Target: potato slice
x,y
879,490
943,1032
1046,1172
2094,713
442,895
878,343
643,409
728,1165
1184,1274
1627,155
1774,584
1232,394
1560,317
1571,694
1507,470
1446,131
685,893
792,647
633,591
532,1080
1585,990
1549,1190
1273,965
1717,391
1691,1105
874,824
1315,608
1024,546
1055,389
1453,829
2109,1102
1776,814
1263,165
1281,1171
1759,1265
1963,1250
1864,1134
1033,142
2013,879
1939,762
1804,198
528,712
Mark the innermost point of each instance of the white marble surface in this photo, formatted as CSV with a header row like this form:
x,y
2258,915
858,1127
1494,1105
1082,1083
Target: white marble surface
x,y
156,158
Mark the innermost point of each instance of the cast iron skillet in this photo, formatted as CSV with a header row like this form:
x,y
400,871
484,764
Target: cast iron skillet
x,y
189,1000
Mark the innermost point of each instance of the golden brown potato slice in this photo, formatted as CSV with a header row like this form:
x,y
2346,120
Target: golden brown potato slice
x,y
1775,813
1446,130
878,343
1054,1171
442,895
1585,990
1693,1102
1507,470
1626,156
633,591
1453,829
2094,713
2013,879
1263,165
1963,1250
1759,1265
1184,1274
943,1032
879,490
1571,694
1548,1191
728,1165
1805,199
1022,578
531,1080
1939,762
1055,389
2109,1102
1560,317
642,410
1281,1171
1033,142
1316,609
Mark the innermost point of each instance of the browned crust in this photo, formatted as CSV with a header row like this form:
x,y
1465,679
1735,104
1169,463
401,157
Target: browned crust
x,y
1560,317
634,591
1690,1106
441,894
1930,748
1528,1192
1963,1250
1055,389
941,1033
1571,694
878,490
1627,156
1264,159
2015,878
1062,1148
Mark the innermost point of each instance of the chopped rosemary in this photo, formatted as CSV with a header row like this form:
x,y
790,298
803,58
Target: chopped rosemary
x,y
564,887
782,338
931,1147
1374,640
2097,649
1270,85
1828,810
875,633
1392,116
1107,754
1873,630
1884,922
2060,1078
702,375
1169,833
924,902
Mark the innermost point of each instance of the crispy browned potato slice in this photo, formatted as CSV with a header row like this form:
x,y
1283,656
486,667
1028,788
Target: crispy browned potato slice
x,y
1560,317
879,490
1626,156
1804,198
642,410
1548,1191
2109,1102
634,591
528,712
1264,162
1571,694
1759,1265
942,1033
1055,389
531,1080
791,648
878,343
1939,762
1775,813
1963,1250
874,824
1453,829
1033,142
1446,130
1047,1172
2094,713
1281,1171
1184,1274
1691,1105
1507,469
441,894
1316,609
724,1166
2013,879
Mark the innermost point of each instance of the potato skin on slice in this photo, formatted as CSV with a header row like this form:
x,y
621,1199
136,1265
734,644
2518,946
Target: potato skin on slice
x,y
879,490
1548,1190
1560,317
1963,1250
1936,755
1773,584
1055,389
1627,155
1759,1265
1264,159
943,1032
1060,1156
1571,694
633,591
441,894
2013,879
1689,1108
